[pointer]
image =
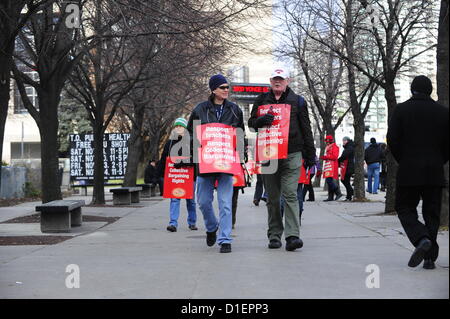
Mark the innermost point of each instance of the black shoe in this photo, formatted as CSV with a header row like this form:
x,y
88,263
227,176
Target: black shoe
x,y
275,244
193,227
171,228
211,238
310,200
419,254
330,197
264,199
225,248
429,264
292,243
256,202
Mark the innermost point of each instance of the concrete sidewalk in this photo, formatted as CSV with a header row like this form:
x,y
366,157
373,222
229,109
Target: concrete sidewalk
x,y
136,257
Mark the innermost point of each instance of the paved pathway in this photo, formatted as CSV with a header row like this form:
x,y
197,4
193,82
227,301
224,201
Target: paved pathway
x,y
136,257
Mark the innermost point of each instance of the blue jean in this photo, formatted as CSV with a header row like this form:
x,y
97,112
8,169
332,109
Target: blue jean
x,y
175,211
205,198
373,171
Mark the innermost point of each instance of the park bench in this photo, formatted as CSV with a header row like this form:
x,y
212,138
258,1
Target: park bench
x,y
146,190
85,186
125,195
59,216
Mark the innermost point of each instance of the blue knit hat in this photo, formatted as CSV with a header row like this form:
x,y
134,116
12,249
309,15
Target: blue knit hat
x,y
216,80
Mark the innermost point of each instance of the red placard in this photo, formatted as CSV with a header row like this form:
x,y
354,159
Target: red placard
x,y
218,149
343,167
272,141
251,167
178,182
239,179
304,175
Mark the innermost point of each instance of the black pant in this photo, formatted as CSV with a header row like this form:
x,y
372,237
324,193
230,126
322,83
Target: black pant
x,y
259,189
348,185
309,188
331,185
407,199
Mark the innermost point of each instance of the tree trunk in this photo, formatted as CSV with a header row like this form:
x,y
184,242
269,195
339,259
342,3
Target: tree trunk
x,y
442,90
135,145
392,165
98,196
5,86
51,187
134,152
359,181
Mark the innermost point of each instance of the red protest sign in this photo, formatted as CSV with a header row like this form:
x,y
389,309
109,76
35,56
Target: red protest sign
x,y
304,175
251,167
272,141
217,149
239,179
178,182
343,167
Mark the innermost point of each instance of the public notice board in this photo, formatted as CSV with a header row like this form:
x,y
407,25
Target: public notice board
x,y
115,156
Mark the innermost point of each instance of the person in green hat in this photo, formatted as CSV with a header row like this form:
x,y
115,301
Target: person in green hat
x,y
179,129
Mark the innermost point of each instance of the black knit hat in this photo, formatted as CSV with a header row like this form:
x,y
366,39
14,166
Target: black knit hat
x,y
421,84
216,80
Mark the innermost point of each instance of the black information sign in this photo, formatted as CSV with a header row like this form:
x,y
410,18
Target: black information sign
x,y
115,155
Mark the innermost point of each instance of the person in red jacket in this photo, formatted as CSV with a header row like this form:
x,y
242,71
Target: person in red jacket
x,y
330,168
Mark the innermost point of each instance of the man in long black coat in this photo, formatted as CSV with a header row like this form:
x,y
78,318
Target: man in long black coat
x,y
418,139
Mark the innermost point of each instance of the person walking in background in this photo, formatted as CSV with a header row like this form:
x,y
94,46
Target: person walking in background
x,y
383,172
418,139
284,180
373,156
347,164
308,188
217,109
151,176
331,168
179,129
259,190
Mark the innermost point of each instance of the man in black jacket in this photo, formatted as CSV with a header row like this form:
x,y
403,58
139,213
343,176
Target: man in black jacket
x,y
348,160
284,181
418,140
373,156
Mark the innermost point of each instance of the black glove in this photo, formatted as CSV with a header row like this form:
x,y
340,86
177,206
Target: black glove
x,y
264,120
308,164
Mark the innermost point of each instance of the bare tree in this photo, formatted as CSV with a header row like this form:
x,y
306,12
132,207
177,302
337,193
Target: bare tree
x,y
46,41
104,76
394,26
14,15
321,68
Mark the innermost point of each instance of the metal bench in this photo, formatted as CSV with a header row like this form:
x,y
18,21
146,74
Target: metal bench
x,y
59,216
145,193
125,195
